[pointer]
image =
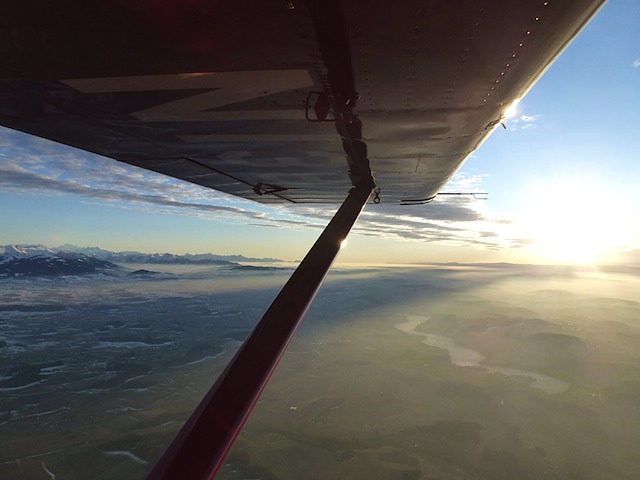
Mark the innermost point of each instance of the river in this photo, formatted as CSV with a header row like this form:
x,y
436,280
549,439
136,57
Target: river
x,y
466,357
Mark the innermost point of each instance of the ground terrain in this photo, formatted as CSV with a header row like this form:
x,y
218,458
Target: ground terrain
x,y
97,373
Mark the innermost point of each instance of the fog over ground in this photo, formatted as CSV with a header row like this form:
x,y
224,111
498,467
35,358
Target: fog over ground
x,y
99,372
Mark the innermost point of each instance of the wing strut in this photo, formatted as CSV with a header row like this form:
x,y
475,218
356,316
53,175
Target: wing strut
x,y
200,447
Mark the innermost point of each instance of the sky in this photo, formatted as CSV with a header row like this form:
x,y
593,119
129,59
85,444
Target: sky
x,y
563,181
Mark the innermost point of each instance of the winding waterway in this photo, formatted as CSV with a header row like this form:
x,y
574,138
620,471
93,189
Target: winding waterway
x,y
466,357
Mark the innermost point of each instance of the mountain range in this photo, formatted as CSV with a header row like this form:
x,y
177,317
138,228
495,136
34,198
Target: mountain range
x,y
162,258
40,260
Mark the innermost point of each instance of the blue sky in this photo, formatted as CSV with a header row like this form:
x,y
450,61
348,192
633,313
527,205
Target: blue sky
x,y
563,182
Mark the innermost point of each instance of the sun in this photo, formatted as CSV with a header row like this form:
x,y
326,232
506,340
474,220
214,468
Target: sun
x,y
573,222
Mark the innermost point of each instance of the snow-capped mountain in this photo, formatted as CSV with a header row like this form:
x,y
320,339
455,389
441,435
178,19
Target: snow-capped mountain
x,y
162,258
39,260
24,251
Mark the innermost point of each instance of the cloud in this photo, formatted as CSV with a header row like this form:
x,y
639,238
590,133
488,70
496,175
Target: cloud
x,y
522,122
465,182
31,165
636,63
447,219
12,180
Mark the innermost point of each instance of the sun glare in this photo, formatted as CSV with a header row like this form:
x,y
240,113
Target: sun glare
x,y
572,222
512,110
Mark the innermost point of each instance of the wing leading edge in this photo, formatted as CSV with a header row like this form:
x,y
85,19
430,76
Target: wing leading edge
x,y
216,93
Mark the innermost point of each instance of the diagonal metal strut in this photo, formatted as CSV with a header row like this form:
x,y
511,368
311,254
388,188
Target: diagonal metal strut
x,y
200,447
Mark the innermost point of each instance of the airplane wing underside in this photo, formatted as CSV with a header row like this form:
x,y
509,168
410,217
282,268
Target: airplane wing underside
x,y
230,95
